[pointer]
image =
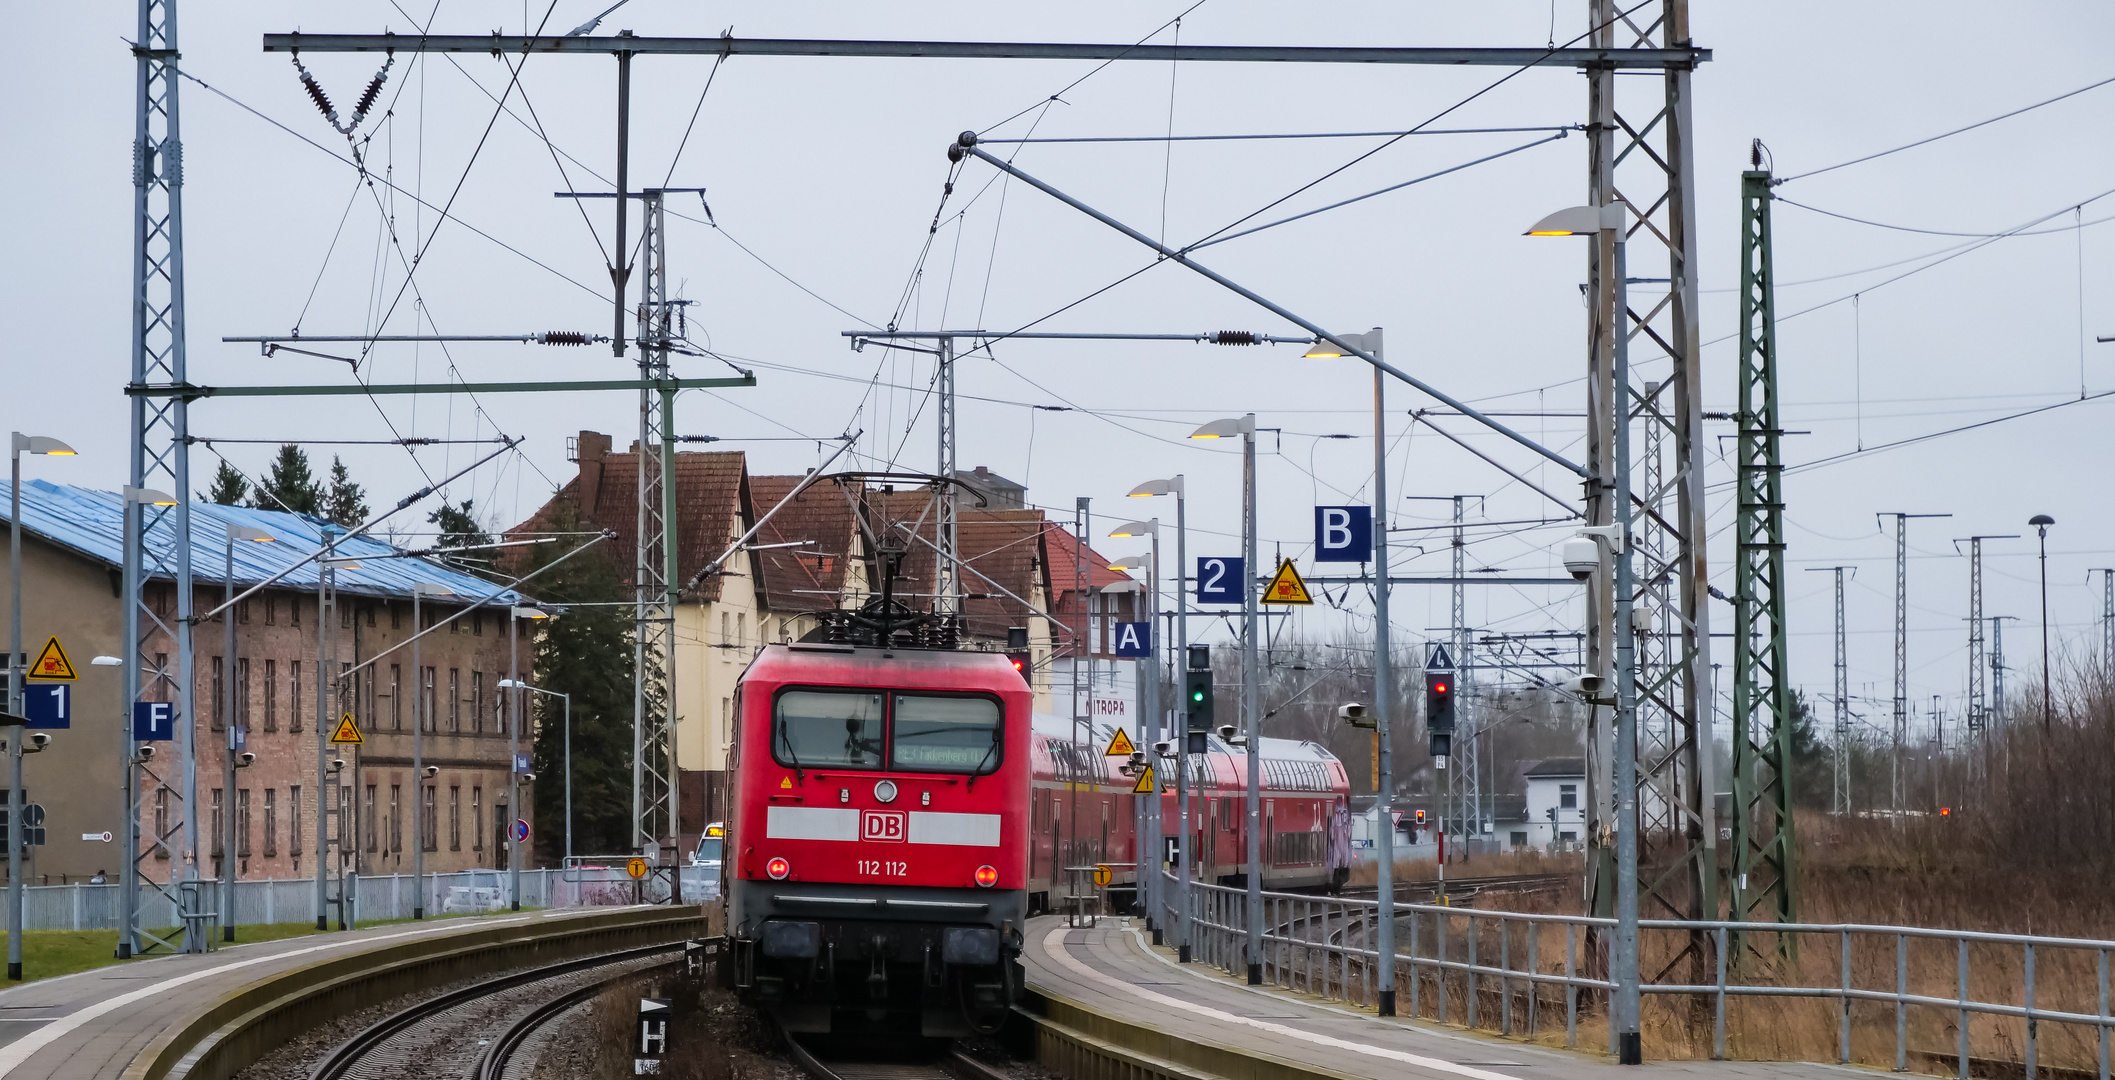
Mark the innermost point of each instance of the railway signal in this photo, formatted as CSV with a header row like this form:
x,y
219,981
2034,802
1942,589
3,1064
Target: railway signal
x,y
1197,695
1439,710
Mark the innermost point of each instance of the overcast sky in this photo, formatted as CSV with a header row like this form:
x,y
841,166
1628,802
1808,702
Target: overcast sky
x,y
829,170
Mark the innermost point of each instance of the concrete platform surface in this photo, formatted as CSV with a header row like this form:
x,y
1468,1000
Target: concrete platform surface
x,y
1112,969
94,1023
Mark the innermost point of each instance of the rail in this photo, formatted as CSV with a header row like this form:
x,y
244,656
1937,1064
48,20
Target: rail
x,y
1325,946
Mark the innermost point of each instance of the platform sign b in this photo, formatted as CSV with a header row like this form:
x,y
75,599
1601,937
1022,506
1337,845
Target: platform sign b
x,y
1343,534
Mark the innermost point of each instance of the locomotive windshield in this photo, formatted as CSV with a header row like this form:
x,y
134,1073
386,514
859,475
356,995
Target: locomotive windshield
x,y
946,734
815,728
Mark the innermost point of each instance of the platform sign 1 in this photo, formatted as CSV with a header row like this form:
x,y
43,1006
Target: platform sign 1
x,y
1131,639
153,721
1344,534
654,1014
48,705
1221,581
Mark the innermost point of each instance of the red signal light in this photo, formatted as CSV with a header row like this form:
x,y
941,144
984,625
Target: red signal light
x,y
987,877
1946,811
778,868
1439,687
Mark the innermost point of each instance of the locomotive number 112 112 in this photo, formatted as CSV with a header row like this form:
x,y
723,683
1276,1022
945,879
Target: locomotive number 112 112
x,y
884,868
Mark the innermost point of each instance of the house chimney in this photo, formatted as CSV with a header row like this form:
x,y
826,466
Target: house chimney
x,y
593,446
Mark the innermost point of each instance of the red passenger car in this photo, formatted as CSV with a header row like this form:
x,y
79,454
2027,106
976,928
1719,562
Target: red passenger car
x,y
876,875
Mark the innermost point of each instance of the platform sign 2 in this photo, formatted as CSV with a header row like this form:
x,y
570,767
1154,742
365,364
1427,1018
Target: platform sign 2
x,y
1343,534
1221,581
1131,639
654,1014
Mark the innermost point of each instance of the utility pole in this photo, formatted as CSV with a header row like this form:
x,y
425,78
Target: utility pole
x,y
2107,623
655,575
1901,701
1978,707
1840,755
1997,665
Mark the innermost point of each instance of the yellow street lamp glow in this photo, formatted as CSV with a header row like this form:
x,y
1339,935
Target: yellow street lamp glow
x,y
149,496
246,532
1226,429
1135,562
1368,342
1149,527
41,444
1579,220
1171,486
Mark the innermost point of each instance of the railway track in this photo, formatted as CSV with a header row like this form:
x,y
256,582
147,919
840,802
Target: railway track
x,y
826,1060
1464,888
453,1034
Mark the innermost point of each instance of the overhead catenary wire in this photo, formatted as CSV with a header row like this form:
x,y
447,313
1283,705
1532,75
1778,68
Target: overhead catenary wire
x,y
1947,134
1287,135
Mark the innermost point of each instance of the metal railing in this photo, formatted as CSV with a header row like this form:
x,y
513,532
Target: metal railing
x,y
1989,991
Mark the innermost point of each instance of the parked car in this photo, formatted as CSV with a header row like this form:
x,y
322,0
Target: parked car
x,y
483,893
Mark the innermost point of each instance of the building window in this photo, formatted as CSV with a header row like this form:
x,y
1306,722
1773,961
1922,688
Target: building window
x,y
346,820
725,654
455,700
500,848
396,621
161,823
477,819
396,697
271,822
271,697
477,702
1568,837
741,629
220,848
432,719
477,623
368,819
242,690
242,612
293,697
429,826
344,613
1516,839
242,823
396,818
271,610
455,818
1568,796
371,613
220,697
293,819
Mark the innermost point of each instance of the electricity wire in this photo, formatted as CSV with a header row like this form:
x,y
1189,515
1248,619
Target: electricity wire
x,y
1948,134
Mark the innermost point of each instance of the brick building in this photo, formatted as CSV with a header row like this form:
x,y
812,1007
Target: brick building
x,y
71,569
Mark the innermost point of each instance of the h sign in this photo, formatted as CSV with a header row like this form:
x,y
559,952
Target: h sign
x,y
153,721
1344,534
1221,581
1134,639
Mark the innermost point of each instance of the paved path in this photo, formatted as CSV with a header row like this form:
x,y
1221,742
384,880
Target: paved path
x,y
1112,969
93,1023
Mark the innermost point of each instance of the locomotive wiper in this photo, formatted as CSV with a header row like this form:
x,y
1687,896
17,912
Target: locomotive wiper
x,y
979,770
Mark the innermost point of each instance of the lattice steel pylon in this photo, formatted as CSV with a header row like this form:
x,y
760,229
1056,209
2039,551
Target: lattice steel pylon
x,y
1644,158
656,583
1840,745
160,460
1466,780
1763,849
1653,621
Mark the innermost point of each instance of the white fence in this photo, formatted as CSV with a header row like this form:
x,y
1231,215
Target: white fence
x,y
286,900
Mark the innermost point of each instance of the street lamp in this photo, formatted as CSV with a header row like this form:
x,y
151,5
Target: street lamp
x,y
1595,221
1383,679
419,824
1245,426
1146,672
2041,523
509,684
23,444
514,772
1173,486
236,736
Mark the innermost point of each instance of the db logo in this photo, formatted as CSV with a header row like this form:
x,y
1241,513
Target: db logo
x,y
886,826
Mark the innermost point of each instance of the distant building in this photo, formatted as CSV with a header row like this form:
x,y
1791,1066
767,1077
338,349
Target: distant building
x,y
1556,802
71,556
999,492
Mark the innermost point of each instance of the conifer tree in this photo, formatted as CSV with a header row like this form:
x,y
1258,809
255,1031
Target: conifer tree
x,y
342,502
229,488
288,485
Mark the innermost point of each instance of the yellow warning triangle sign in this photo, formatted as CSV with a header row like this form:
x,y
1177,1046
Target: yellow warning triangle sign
x,y
1119,745
1145,782
1286,587
52,663
348,732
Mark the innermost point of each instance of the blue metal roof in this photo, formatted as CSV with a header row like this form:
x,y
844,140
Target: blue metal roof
x,y
93,524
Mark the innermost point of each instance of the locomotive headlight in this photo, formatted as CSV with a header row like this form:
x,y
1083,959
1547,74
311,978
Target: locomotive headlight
x,y
778,868
885,791
987,877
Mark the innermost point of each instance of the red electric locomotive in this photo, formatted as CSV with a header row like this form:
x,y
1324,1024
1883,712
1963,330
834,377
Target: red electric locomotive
x,y
877,860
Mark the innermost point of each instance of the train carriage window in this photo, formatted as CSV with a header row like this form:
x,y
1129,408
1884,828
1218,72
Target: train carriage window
x,y
815,728
947,734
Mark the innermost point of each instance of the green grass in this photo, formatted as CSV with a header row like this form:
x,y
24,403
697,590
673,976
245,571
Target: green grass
x,y
48,954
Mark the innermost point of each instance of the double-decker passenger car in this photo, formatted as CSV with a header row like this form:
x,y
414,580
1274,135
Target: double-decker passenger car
x,y
876,860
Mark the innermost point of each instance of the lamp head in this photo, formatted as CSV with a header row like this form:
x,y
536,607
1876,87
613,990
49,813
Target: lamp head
x,y
1323,349
41,444
530,612
248,532
1135,562
2041,521
149,497
1171,486
1227,429
427,588
1580,221
1148,527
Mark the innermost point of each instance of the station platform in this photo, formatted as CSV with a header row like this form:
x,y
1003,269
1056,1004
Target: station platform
x,y
97,1023
1112,970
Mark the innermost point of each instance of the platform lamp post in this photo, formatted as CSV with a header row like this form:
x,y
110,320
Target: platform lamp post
x,y
1245,426
1594,221
137,499
419,824
23,444
509,684
1173,486
2041,523
1383,663
514,769
236,737
1148,672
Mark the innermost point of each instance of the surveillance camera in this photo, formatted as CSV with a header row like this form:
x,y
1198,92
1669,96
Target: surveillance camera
x,y
145,755
1138,757
1356,714
37,740
1581,556
337,764
1587,686
1226,731
245,759
432,771
1164,748
528,778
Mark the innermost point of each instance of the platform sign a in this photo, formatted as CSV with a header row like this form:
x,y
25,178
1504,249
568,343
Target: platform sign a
x,y
1221,581
1343,534
1131,639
